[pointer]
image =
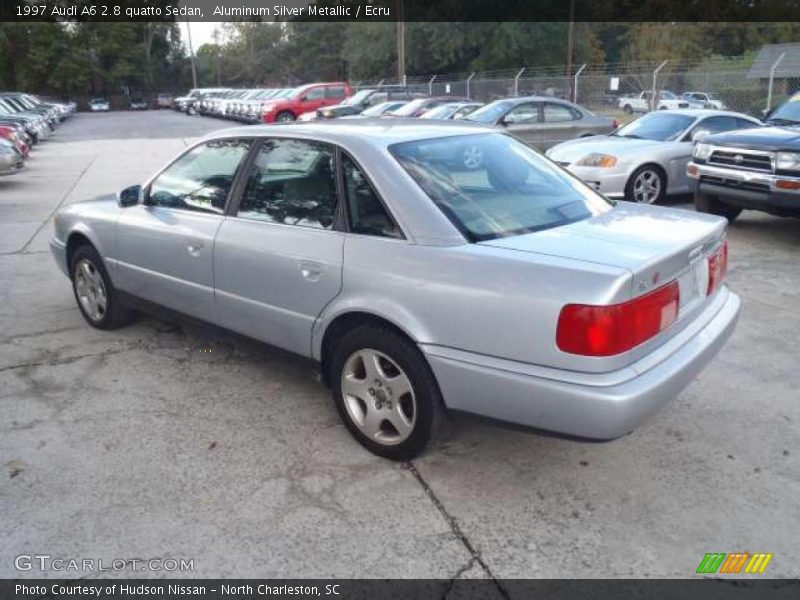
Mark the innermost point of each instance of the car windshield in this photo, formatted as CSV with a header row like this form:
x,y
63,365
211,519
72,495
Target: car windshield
x,y
492,185
410,108
440,112
491,112
357,98
379,109
656,126
788,112
668,95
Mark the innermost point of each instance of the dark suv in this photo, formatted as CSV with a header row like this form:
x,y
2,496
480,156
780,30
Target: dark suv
x,y
755,169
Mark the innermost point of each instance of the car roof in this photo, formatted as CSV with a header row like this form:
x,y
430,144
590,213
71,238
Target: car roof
x,y
376,132
703,112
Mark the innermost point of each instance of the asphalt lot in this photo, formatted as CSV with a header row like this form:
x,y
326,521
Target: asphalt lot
x,y
170,440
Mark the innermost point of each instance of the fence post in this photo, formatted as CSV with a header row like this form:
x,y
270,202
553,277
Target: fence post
x,y
468,80
771,78
575,86
380,83
653,100
516,81
430,86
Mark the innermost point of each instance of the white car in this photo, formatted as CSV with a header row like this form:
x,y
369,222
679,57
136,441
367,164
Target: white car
x,y
645,160
99,105
705,99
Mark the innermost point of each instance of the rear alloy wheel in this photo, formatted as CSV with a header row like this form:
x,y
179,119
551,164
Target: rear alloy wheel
x,y
284,117
647,185
96,296
385,392
712,205
628,109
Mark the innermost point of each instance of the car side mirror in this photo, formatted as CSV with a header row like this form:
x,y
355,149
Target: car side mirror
x,y
130,196
699,134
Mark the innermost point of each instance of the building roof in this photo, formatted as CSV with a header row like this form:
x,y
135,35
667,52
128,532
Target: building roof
x,y
769,53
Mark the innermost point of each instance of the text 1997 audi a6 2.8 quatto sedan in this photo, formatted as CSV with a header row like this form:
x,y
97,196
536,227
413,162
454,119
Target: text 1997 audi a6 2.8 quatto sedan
x,y
512,290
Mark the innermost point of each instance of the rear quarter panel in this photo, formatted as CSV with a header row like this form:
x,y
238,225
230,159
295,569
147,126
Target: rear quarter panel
x,y
480,299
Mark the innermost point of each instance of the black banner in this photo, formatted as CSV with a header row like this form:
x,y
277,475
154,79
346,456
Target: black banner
x,y
733,588
401,10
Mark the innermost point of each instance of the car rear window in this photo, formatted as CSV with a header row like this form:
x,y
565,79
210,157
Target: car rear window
x,y
492,185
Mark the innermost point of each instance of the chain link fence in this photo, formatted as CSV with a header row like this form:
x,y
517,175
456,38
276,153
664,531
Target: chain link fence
x,y
625,89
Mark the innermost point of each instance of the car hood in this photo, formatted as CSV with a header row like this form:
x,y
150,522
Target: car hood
x,y
760,138
574,150
629,236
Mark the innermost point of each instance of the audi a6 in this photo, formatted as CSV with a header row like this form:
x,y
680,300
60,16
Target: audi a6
x,y
509,289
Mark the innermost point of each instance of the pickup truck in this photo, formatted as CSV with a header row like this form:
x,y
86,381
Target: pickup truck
x,y
756,169
641,103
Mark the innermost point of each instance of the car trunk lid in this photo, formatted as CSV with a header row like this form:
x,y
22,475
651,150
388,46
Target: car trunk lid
x,y
656,245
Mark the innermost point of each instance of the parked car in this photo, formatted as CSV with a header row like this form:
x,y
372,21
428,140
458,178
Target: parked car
x,y
11,160
645,160
418,106
542,121
378,110
164,101
361,101
138,104
643,103
99,105
452,110
34,122
9,133
515,292
757,169
705,99
25,104
189,102
305,98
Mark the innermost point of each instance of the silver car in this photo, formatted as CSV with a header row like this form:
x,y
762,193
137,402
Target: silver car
x,y
543,121
646,160
513,291
11,161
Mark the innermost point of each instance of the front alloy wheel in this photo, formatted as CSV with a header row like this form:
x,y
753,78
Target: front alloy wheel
x,y
646,186
472,157
90,290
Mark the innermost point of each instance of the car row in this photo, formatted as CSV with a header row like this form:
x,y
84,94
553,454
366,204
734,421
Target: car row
x,y
26,120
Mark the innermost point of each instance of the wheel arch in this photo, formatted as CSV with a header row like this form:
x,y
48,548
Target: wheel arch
x,y
335,326
78,237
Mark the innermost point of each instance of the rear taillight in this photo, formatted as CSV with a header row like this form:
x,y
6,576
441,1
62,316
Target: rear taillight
x,y
607,330
717,268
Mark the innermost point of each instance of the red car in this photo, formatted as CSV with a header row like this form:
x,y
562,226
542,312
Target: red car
x,y
304,99
7,133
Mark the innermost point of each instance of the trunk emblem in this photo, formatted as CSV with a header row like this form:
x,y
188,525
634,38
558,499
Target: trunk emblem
x,y
738,159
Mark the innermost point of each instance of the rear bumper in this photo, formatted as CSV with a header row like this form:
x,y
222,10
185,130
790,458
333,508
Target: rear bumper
x,y
747,189
592,406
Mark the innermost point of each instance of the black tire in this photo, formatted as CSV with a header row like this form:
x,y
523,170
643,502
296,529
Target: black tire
x,y
712,205
191,111
115,314
429,410
628,109
284,117
630,194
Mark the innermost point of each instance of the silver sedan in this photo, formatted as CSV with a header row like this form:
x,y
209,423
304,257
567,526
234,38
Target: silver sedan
x,y
645,160
542,121
511,290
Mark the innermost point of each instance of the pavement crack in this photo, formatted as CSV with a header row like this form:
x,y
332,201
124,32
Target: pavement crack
x,y
58,206
456,530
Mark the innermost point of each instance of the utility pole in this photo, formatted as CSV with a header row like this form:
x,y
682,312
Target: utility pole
x,y
191,54
570,41
401,44
216,56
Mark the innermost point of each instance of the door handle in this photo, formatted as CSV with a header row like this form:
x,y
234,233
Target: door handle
x,y
194,247
310,270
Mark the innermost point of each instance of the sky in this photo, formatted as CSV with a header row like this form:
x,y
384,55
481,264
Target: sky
x,y
202,33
